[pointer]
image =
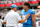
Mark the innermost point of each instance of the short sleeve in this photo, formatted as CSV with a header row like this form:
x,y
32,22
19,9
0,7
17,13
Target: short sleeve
x,y
32,12
18,17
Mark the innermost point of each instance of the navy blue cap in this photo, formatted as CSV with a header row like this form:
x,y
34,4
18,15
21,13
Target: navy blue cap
x,y
13,5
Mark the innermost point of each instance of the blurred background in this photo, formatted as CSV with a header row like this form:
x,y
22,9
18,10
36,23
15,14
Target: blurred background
x,y
5,6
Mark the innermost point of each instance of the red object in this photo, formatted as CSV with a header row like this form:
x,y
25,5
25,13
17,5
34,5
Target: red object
x,y
29,2
34,2
22,3
39,0
8,5
2,5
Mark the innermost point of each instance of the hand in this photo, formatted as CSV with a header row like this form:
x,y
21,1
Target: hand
x,y
27,15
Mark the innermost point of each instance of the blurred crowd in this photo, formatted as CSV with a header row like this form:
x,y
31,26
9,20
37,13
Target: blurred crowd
x,y
14,1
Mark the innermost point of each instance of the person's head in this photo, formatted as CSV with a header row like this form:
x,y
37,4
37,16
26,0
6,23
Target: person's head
x,y
0,17
14,7
26,5
38,3
5,9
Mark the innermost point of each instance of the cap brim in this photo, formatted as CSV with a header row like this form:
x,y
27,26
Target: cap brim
x,y
17,7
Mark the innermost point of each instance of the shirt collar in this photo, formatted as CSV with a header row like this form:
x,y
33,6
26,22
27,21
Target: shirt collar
x,y
12,11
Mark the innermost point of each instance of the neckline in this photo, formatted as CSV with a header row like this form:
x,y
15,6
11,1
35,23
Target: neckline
x,y
27,10
13,10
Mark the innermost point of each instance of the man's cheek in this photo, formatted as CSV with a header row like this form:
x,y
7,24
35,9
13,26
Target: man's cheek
x,y
23,7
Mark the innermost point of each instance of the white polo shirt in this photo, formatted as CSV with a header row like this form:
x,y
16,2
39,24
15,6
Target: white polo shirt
x,y
12,18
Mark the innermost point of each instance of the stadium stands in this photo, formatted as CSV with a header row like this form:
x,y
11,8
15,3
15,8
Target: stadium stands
x,y
8,5
22,3
18,3
2,5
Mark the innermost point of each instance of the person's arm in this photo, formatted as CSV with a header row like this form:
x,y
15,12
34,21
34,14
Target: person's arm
x,y
22,20
34,20
4,22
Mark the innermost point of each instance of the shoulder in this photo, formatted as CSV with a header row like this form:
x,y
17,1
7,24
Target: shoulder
x,y
32,10
9,13
22,10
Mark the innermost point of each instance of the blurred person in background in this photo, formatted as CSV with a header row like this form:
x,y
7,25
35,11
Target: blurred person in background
x,y
39,24
0,14
38,18
3,14
5,11
31,21
14,17
38,5
38,14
